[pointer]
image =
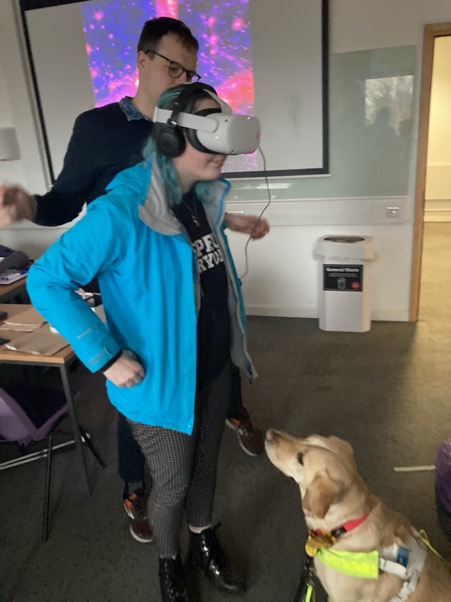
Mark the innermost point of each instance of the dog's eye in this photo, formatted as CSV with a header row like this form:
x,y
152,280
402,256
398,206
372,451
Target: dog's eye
x,y
301,458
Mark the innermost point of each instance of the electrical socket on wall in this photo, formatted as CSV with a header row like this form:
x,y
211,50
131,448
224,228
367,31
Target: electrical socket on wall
x,y
392,211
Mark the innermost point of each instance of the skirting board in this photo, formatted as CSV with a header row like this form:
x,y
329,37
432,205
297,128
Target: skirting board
x,y
437,210
435,215
386,315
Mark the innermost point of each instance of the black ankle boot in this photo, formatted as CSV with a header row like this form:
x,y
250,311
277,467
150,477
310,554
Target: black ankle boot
x,y
172,580
205,552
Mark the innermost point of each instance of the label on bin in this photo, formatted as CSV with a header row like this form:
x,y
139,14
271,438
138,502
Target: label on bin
x,y
342,277
345,239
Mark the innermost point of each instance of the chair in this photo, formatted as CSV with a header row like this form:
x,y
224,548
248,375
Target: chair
x,y
29,415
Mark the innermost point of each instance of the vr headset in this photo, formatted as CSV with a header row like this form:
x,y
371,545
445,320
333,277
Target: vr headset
x,y
209,130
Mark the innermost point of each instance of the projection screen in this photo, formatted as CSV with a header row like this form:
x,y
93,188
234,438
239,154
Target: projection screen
x,y
266,59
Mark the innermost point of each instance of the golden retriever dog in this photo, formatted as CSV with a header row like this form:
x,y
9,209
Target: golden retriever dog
x,y
336,500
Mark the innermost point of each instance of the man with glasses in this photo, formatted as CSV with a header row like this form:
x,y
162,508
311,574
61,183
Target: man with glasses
x,y
111,138
107,140
175,69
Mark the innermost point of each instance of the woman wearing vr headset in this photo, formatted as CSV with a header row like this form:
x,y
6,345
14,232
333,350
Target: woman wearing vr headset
x,y
167,367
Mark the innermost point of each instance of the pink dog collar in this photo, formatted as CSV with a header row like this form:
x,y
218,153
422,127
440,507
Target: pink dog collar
x,y
345,528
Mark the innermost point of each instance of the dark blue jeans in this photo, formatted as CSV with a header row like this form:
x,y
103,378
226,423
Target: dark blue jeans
x,y
130,458
236,408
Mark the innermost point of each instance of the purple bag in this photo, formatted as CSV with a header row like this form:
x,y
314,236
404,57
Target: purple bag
x,y
443,474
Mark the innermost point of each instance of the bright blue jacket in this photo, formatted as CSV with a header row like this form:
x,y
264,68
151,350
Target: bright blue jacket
x,y
149,282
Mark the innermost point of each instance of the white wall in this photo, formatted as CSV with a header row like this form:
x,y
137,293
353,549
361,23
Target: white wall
x,y
62,99
283,272
13,170
17,109
283,278
18,103
363,24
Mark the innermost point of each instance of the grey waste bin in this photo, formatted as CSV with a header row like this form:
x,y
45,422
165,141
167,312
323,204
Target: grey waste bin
x,y
344,277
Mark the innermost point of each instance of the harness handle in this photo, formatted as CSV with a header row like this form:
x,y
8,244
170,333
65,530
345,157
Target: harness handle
x,y
305,591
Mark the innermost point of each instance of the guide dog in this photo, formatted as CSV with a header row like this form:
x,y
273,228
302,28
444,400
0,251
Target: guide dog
x,y
342,516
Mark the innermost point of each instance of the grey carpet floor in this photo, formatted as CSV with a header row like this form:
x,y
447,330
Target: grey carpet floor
x,y
385,391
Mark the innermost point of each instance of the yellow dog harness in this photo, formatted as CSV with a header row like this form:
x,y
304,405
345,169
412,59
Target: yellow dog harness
x,y
406,561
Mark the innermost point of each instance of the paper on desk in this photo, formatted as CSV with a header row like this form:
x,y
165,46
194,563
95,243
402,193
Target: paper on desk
x,y
42,343
20,327
29,317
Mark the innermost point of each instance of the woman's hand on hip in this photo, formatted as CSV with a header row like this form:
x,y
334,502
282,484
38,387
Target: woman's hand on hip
x,y
126,371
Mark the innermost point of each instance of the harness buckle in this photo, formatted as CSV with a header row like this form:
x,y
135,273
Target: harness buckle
x,y
316,541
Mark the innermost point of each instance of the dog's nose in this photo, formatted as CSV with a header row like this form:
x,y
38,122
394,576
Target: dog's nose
x,y
269,435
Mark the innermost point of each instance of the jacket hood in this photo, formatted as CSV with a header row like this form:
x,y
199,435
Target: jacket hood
x,y
145,181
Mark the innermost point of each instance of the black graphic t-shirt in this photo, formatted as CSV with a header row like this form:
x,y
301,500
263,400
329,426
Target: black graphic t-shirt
x,y
213,326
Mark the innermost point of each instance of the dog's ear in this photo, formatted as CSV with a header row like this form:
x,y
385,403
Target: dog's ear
x,y
345,445
320,495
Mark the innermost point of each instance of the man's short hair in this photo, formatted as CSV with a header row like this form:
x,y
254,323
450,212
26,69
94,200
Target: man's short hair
x,y
155,29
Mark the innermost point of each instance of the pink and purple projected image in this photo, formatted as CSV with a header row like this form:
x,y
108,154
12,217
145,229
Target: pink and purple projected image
x,y
112,29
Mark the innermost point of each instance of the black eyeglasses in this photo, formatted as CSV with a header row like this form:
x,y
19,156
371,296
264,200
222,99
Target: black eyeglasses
x,y
175,69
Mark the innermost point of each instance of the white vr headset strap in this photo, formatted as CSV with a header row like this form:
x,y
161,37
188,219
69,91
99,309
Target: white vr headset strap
x,y
186,120
225,108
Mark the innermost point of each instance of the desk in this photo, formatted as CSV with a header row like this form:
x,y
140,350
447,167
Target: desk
x,y
13,290
60,360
